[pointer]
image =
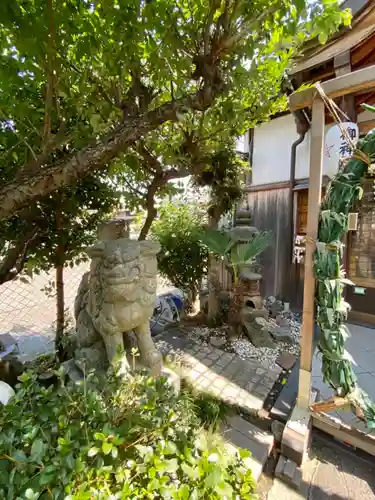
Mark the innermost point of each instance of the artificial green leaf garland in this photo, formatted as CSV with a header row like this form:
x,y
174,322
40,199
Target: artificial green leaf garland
x,y
344,190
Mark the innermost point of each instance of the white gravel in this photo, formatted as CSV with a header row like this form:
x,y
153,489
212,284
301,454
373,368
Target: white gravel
x,y
246,350
263,355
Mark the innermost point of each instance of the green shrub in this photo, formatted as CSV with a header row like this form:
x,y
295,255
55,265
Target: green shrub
x,y
210,410
183,258
112,439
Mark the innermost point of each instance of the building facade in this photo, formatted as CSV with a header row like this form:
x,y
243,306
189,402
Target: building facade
x,y
279,151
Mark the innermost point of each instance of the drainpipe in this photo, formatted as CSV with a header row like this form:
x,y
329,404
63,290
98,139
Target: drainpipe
x,y
292,181
302,120
303,125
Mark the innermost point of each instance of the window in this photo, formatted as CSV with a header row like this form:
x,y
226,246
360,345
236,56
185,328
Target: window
x,y
301,215
361,251
302,202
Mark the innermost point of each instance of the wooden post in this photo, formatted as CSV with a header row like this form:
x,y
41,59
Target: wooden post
x,y
315,190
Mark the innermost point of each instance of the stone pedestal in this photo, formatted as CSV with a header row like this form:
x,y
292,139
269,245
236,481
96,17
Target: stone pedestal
x,y
296,440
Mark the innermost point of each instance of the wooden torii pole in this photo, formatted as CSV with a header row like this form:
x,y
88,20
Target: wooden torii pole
x,y
297,431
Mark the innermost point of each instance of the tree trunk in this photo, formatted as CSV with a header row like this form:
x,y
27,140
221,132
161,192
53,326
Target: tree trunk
x,y
151,214
235,306
15,258
60,308
158,181
59,268
161,179
213,279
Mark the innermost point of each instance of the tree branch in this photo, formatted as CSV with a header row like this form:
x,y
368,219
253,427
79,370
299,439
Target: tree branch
x,y
150,162
94,81
158,182
15,258
32,185
133,189
50,76
52,144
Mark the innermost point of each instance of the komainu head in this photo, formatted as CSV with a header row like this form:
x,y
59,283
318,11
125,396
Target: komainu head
x,y
126,269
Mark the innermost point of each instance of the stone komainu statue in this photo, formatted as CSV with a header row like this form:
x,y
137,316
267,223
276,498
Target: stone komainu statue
x,y
116,296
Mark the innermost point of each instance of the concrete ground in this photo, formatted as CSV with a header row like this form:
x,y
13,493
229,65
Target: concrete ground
x,y
361,346
333,472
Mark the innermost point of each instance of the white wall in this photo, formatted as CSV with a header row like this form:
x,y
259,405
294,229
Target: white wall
x,y
242,143
271,154
272,148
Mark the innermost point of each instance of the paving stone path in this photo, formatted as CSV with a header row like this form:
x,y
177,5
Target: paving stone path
x,y
242,383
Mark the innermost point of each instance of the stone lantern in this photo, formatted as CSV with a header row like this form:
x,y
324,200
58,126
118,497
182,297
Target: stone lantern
x,y
242,233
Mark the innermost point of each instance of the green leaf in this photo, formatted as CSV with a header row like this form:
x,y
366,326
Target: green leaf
x,y
107,447
19,456
191,472
257,245
170,448
95,121
368,107
184,492
213,478
47,477
99,436
224,490
38,450
170,465
218,242
93,451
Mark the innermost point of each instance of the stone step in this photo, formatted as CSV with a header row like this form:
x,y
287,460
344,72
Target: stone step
x,y
288,471
239,433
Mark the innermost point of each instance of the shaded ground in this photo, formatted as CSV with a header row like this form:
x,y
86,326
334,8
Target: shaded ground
x,y
333,472
338,474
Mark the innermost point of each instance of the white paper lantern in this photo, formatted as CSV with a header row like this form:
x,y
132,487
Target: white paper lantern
x,y
336,146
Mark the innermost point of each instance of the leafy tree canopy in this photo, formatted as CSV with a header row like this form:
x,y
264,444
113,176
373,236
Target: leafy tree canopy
x,y
103,75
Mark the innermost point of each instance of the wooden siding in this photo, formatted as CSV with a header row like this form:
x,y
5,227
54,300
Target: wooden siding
x,y
270,212
225,278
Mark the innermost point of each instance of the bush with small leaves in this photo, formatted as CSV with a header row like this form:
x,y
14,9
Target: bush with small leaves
x,y
183,258
113,439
